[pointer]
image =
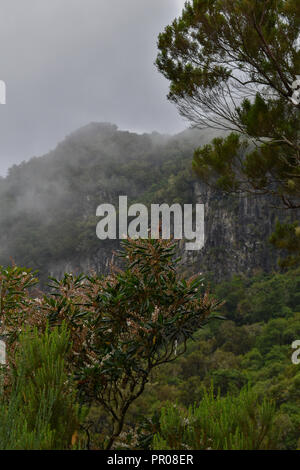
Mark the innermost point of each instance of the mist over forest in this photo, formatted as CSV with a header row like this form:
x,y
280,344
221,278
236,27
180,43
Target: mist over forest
x,y
48,204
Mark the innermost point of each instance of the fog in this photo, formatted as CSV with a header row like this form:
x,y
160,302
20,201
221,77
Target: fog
x,y
69,62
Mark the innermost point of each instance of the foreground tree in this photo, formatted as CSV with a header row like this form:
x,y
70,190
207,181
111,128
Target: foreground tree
x,y
233,66
121,326
133,321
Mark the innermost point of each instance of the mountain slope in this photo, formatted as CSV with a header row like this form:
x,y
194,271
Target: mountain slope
x,y
48,205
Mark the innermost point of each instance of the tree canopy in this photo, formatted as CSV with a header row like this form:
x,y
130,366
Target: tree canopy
x,y
233,65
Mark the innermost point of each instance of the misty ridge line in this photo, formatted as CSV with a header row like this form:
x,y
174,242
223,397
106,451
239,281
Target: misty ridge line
x,y
160,215
52,109
45,181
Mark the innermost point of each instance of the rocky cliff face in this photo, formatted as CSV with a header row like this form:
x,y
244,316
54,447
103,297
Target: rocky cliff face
x,y
237,230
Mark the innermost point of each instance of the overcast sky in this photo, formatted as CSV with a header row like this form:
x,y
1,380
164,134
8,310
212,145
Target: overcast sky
x,y
69,62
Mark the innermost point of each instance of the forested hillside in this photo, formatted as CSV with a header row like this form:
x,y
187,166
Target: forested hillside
x,y
252,347
48,205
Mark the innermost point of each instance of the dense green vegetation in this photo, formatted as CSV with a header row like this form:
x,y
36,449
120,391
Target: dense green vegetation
x,y
38,410
114,331
252,347
219,423
245,356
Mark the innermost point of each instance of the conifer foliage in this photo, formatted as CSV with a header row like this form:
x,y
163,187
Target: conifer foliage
x,y
239,422
234,65
40,412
